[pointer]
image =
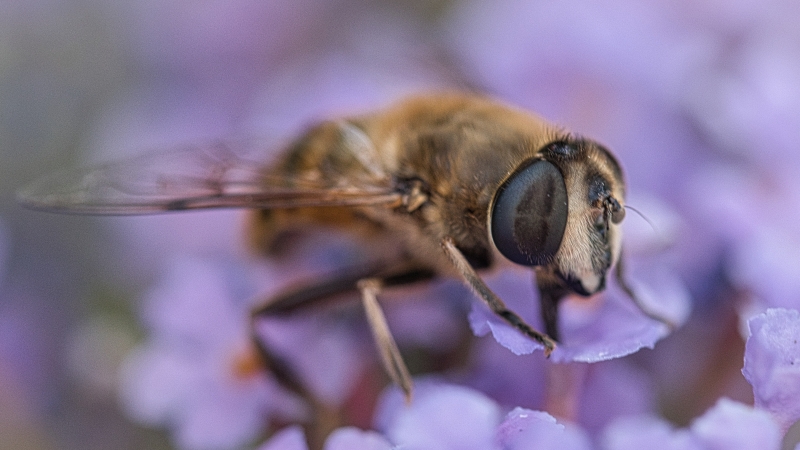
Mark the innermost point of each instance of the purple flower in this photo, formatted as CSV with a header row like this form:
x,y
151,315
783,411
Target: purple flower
x,y
699,103
609,390
446,416
429,315
517,290
734,426
728,425
604,327
292,438
644,431
507,378
441,416
347,438
289,438
760,231
744,99
589,394
772,363
197,373
535,430
181,34
328,355
745,95
352,438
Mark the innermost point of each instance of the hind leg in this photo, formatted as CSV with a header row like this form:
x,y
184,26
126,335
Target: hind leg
x,y
365,281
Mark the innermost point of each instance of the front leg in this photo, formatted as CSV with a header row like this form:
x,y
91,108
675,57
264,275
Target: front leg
x,y
491,299
551,292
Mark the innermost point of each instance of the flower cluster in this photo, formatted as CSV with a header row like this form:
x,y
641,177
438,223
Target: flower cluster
x,y
446,416
195,376
698,119
699,101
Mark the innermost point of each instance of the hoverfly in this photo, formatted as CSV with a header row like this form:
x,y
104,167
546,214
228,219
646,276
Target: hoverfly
x,y
445,185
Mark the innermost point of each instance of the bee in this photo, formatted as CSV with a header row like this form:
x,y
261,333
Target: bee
x,y
438,185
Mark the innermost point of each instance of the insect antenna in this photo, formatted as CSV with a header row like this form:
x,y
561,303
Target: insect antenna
x,y
641,214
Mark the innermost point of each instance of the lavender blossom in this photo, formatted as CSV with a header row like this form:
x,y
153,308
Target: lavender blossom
x,y
603,328
726,426
196,372
327,355
526,429
493,368
772,363
289,438
452,417
441,416
353,438
445,416
733,426
699,101
644,431
609,390
292,438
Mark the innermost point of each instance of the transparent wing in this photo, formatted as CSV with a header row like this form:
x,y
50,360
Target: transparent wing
x,y
216,176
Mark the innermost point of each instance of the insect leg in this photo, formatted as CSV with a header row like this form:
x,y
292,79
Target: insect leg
x,y
346,282
491,299
325,418
387,347
551,291
343,282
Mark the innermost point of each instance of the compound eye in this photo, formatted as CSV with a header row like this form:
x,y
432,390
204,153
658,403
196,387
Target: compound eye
x,y
529,214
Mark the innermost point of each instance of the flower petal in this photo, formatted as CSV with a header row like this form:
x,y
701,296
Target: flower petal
x,y
349,438
441,416
597,329
527,429
729,425
772,363
289,438
638,432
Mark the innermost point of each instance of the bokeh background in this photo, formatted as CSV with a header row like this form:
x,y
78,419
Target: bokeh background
x,y
699,99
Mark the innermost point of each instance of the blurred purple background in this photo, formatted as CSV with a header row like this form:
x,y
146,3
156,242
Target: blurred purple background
x,y
700,100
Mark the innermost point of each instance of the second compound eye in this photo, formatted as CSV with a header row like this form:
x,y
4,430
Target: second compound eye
x,y
529,214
